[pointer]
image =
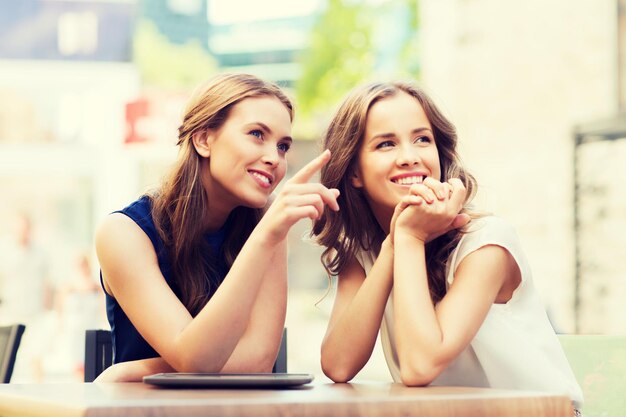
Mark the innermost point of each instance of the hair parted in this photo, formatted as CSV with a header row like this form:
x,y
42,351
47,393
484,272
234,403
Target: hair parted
x,y
354,227
181,204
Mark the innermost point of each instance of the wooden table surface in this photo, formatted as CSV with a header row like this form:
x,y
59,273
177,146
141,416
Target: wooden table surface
x,y
337,400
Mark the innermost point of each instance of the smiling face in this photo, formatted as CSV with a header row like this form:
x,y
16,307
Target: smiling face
x,y
397,150
245,158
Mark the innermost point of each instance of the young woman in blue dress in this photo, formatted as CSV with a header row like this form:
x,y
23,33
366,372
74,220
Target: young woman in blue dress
x,y
195,273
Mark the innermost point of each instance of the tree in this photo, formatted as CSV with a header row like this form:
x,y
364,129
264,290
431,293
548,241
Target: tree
x,y
350,43
340,56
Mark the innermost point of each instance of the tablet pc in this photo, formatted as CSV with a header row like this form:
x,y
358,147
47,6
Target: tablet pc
x,y
215,380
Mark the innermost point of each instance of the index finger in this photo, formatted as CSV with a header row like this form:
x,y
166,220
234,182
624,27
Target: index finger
x,y
311,168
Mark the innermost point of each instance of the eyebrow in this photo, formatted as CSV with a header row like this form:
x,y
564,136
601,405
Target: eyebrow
x,y
267,130
393,135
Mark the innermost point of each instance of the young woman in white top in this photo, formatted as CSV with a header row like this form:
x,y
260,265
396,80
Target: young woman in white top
x,y
452,297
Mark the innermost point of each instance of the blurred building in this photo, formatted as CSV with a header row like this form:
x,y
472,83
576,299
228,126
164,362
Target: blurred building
x,y
518,80
66,30
268,46
180,21
599,204
65,77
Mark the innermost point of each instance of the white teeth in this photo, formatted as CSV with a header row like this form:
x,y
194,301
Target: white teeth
x,y
261,177
410,180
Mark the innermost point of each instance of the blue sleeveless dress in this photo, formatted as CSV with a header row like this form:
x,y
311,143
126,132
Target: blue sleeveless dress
x,y
128,344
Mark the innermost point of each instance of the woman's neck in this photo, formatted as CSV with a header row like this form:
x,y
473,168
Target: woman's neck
x,y
216,219
218,202
383,217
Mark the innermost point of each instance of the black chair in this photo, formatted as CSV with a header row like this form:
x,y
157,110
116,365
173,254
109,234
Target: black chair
x,y
10,337
280,366
99,353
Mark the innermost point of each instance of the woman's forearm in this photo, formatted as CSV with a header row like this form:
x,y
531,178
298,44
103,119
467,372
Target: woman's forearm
x,y
418,334
349,342
212,336
134,371
258,346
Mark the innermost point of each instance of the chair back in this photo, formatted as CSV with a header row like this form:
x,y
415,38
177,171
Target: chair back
x,y
10,337
599,364
99,353
280,366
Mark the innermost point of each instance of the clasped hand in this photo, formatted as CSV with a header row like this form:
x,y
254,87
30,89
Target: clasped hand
x,y
430,209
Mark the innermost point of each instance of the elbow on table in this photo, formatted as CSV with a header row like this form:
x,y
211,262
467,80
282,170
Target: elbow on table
x,y
263,361
256,364
420,374
195,364
259,360
339,373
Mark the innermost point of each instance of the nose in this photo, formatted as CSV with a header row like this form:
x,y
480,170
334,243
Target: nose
x,y
408,156
270,156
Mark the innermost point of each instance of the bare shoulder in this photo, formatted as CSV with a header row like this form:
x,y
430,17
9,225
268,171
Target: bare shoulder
x,y
117,228
490,266
489,255
122,249
494,244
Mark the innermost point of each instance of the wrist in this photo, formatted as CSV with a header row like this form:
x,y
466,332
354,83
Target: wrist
x,y
263,237
406,238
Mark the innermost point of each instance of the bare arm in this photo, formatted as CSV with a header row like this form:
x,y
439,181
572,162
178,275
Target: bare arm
x,y
203,343
258,347
429,338
356,316
134,371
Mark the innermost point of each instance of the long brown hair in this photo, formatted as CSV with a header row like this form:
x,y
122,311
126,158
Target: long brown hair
x,y
181,203
354,227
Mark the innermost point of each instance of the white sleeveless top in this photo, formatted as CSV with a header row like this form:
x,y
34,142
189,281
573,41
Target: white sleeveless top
x,y
515,347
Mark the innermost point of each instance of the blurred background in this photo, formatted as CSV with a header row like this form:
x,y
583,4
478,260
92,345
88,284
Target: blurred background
x,y
91,95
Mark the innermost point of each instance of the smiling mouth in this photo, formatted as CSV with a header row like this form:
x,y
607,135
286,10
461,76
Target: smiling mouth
x,y
416,179
263,178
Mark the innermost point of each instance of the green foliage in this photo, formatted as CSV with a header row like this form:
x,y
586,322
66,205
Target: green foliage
x,y
350,44
339,57
164,64
409,58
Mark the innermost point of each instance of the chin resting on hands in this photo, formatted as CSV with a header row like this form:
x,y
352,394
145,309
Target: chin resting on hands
x,y
430,209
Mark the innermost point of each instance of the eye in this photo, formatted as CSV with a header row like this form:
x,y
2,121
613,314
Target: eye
x,y
385,144
284,147
256,133
423,139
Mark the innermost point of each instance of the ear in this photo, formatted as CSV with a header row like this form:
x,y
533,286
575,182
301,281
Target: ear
x,y
202,142
355,179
